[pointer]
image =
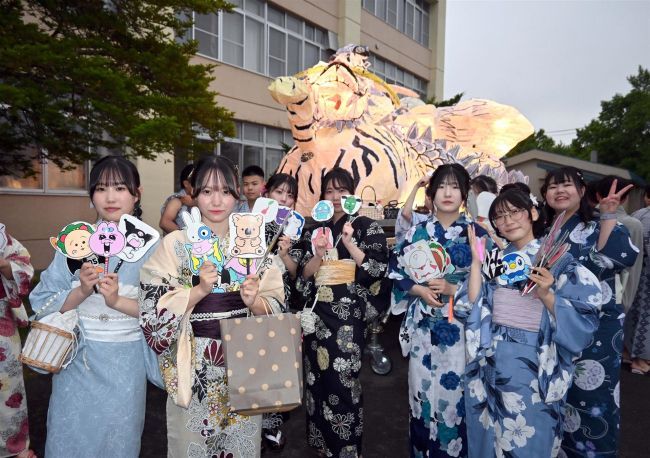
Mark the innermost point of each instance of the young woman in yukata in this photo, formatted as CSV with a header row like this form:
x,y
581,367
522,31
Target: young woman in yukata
x,y
185,291
282,188
603,246
334,352
436,346
16,273
521,348
97,405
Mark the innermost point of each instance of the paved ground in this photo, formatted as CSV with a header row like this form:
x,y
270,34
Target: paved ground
x,y
385,400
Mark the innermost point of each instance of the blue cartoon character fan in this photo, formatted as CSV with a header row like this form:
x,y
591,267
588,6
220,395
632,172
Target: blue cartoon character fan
x,y
516,268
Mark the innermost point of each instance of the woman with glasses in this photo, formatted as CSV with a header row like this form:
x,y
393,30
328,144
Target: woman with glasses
x,y
435,344
604,247
520,347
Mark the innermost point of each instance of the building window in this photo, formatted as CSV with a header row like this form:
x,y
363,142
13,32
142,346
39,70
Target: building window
x,y
411,17
254,144
49,178
261,38
393,74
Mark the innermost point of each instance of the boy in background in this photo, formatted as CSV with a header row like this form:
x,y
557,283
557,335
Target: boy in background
x,y
252,186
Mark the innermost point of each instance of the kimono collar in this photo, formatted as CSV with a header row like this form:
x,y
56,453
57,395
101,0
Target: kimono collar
x,y
531,248
462,220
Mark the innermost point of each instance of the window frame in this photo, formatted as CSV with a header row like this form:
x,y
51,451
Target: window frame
x,y
45,190
243,142
268,25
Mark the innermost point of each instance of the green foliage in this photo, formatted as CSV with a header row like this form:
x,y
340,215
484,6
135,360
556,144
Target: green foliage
x,y
102,73
539,140
621,133
446,102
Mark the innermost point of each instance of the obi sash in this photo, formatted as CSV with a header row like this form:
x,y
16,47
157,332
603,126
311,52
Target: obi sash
x,y
212,308
512,309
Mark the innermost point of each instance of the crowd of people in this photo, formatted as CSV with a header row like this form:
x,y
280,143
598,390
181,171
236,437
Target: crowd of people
x,y
508,355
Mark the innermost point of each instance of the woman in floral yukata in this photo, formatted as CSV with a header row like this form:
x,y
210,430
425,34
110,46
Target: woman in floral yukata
x,y
333,353
15,276
182,298
592,416
435,346
520,348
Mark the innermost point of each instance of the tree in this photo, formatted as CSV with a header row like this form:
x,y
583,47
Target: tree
x,y
539,140
621,133
446,102
78,75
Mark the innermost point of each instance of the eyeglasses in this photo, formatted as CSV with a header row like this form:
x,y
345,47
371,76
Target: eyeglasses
x,y
515,215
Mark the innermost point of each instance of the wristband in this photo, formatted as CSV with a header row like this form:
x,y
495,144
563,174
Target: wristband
x,y
606,216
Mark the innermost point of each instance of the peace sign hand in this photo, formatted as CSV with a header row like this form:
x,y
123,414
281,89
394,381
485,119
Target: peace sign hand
x,y
610,203
476,244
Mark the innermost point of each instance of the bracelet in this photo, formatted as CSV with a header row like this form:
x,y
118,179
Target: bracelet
x,y
606,216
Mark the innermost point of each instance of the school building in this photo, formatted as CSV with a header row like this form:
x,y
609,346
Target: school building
x,y
255,43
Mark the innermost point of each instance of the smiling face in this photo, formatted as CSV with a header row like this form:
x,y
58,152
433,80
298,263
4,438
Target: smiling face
x,y
113,200
76,244
514,223
564,195
215,201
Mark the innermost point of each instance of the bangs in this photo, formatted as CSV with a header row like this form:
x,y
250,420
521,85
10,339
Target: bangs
x,y
111,177
453,174
114,171
282,179
564,175
214,173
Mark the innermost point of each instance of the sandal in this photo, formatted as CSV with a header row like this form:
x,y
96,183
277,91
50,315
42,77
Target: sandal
x,y
274,442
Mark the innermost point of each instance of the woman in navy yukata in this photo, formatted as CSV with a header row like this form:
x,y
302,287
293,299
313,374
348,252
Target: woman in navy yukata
x,y
520,348
436,346
592,416
333,354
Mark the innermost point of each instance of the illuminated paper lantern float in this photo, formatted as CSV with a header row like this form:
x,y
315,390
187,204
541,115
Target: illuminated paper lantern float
x,y
343,115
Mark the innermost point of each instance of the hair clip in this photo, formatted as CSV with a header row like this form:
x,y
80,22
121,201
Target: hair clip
x,y
533,199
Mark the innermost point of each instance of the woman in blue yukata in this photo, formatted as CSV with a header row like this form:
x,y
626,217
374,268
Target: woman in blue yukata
x,y
520,348
592,417
436,346
97,405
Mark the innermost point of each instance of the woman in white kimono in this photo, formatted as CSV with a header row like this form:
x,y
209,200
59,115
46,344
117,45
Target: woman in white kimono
x,y
98,402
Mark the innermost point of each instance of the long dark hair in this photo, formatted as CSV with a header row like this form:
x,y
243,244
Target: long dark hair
x,y
454,172
340,176
116,170
562,175
209,169
516,198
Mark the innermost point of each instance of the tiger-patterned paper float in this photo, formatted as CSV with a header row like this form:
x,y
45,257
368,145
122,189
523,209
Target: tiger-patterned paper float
x,y
343,115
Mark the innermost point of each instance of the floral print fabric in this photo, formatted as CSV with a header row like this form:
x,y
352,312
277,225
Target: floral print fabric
x,y
332,355
205,426
435,347
14,426
516,381
592,416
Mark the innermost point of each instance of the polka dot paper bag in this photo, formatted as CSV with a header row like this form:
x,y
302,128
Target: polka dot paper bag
x,y
264,363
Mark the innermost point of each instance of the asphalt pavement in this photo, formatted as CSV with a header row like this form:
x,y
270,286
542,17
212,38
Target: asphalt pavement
x,y
385,408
